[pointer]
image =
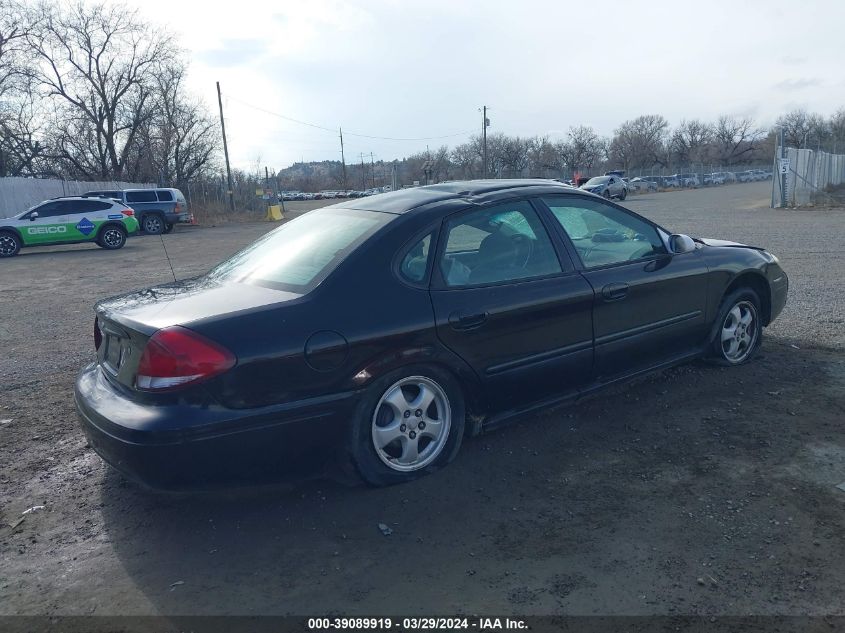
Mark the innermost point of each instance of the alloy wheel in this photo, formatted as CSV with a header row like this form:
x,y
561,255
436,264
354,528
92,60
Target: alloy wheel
x,y
739,332
152,224
112,237
8,245
411,424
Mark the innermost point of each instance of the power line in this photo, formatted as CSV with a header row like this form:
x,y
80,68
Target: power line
x,y
333,131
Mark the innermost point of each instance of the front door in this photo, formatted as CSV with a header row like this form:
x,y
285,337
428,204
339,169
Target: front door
x,y
511,306
45,224
649,304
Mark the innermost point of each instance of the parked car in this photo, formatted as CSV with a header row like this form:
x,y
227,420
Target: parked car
x,y
72,220
729,176
642,184
671,181
606,186
714,179
688,180
157,210
615,172
745,176
186,388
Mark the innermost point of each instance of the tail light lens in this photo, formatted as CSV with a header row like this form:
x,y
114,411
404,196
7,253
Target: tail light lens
x,y
175,357
98,334
128,212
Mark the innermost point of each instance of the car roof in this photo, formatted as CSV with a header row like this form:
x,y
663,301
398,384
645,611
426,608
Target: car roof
x,y
405,200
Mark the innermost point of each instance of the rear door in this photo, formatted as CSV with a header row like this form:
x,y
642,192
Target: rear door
x,y
84,218
649,304
511,304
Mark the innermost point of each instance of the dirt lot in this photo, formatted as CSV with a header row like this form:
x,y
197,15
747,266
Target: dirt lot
x,y
695,491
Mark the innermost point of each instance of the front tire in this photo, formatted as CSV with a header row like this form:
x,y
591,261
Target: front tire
x,y
410,423
153,224
10,244
740,330
111,238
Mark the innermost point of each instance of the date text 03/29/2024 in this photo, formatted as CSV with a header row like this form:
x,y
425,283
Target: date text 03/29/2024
x,y
418,623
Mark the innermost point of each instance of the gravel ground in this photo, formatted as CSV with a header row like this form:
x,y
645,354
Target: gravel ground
x,y
697,490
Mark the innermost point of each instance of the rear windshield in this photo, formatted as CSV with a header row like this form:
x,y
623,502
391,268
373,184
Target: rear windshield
x,y
301,253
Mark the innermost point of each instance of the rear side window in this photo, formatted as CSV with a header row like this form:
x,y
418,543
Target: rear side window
x,y
301,253
165,196
141,196
415,262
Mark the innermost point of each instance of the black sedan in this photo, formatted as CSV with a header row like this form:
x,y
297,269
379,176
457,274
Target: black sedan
x,y
381,331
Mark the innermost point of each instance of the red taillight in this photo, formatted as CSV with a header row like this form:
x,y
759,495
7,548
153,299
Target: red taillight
x,y
179,206
128,212
175,357
98,334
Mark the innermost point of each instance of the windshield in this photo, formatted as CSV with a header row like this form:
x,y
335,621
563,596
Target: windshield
x,y
301,253
598,180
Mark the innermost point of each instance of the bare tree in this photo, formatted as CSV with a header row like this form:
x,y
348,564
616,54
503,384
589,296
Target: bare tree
x,y
837,130
185,138
514,155
466,160
690,140
640,142
735,139
99,60
584,148
796,126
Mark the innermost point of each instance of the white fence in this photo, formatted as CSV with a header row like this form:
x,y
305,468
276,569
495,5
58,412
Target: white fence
x,y
18,194
810,172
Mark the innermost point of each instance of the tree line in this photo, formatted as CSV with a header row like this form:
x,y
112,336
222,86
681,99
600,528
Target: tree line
x,y
91,91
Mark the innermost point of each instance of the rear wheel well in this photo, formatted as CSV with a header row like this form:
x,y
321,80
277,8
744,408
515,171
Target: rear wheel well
x,y
117,225
758,284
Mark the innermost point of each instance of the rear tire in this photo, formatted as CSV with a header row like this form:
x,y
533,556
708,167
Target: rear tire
x,y
10,244
111,238
624,194
153,224
409,423
740,329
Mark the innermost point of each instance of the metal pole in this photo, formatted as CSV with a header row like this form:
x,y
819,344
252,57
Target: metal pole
x,y
782,176
226,151
484,139
363,174
343,160
372,170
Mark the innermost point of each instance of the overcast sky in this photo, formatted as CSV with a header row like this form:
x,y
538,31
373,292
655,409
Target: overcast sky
x,y
412,69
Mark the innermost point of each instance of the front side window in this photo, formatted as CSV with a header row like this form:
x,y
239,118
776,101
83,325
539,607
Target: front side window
x,y
415,261
302,252
502,243
603,234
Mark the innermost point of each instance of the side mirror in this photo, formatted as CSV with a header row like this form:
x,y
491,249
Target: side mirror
x,y
680,244
33,216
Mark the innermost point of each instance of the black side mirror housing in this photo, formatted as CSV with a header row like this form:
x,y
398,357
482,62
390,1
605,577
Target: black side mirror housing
x,y
680,244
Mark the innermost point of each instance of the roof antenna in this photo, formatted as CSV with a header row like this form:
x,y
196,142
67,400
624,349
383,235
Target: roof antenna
x,y
169,263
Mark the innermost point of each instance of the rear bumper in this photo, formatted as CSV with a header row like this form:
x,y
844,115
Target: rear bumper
x,y
180,446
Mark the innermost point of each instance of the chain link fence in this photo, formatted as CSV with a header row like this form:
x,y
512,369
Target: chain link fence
x,y
814,178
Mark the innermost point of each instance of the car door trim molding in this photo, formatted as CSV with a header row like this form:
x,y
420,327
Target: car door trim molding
x,y
534,359
648,327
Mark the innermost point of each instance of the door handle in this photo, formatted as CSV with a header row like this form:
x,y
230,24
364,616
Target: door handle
x,y
614,292
460,321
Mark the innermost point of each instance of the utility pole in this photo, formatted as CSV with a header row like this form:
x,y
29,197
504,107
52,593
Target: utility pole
x,y
373,170
343,159
782,176
363,173
226,151
484,123
267,186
